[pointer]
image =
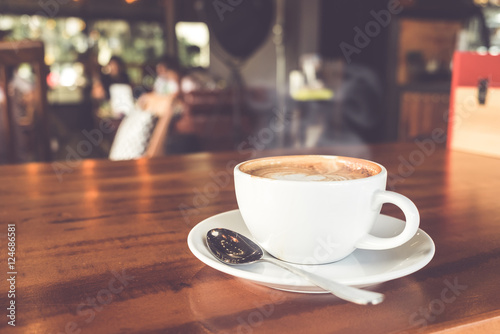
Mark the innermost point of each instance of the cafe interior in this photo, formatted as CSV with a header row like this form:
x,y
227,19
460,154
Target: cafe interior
x,y
121,122
327,71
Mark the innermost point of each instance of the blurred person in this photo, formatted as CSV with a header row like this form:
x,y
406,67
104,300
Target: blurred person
x,y
359,100
22,98
166,102
352,116
168,76
115,72
166,87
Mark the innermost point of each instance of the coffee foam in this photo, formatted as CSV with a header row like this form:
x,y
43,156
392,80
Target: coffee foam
x,y
310,168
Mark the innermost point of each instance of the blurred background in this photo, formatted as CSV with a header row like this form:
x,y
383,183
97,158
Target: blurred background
x,y
124,79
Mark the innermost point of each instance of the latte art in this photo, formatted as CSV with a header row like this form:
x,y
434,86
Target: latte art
x,y
295,174
309,168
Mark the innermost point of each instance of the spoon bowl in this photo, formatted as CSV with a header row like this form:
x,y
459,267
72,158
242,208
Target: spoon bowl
x,y
232,248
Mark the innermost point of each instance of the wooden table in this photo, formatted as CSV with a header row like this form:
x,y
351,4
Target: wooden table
x,y
103,250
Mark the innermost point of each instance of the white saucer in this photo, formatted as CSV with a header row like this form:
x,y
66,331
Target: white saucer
x,y
361,268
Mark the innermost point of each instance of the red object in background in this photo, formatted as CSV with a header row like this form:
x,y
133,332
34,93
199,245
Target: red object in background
x,y
52,79
469,67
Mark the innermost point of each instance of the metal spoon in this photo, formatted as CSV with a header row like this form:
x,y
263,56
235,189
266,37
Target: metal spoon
x,y
233,248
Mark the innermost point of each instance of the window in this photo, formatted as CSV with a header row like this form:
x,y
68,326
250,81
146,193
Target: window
x,y
72,45
193,44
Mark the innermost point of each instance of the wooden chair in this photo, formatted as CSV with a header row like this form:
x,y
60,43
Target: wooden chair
x,y
23,113
163,106
207,116
137,135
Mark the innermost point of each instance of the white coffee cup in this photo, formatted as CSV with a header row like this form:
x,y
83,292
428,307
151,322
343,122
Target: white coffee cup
x,y
300,218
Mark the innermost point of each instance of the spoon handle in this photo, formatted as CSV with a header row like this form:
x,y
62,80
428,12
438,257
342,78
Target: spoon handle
x,y
349,293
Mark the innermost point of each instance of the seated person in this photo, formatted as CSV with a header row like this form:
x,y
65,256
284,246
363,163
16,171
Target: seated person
x,y
166,103
113,73
165,87
102,81
168,76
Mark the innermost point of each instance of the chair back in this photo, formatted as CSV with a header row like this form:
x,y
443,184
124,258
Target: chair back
x,y
23,103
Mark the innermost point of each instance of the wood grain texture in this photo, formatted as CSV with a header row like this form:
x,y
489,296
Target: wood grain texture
x,y
104,250
421,113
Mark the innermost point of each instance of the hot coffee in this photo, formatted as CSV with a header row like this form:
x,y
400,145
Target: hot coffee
x,y
313,219
310,168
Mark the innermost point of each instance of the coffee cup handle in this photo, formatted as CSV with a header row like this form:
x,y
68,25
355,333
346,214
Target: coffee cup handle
x,y
412,222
